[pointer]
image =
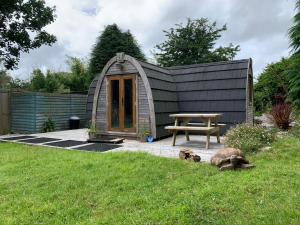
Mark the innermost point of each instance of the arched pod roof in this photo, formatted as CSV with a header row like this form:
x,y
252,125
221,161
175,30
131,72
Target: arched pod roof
x,y
142,74
210,87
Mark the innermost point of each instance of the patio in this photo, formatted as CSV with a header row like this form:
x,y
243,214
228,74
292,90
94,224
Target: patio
x,y
161,148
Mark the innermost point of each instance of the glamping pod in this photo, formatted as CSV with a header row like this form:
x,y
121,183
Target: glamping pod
x,y
131,97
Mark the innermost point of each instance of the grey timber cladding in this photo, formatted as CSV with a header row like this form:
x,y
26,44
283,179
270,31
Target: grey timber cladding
x,y
221,87
213,87
90,98
143,112
101,121
30,110
164,94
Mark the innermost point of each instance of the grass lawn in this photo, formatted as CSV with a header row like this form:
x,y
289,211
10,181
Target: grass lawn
x,y
41,185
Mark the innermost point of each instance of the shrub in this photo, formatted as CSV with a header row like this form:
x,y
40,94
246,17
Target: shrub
x,y
248,138
48,125
295,130
281,115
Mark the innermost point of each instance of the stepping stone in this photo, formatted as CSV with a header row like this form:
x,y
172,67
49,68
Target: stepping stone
x,y
39,140
98,147
66,143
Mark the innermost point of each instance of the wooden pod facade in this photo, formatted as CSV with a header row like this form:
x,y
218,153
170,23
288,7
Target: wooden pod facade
x,y
130,97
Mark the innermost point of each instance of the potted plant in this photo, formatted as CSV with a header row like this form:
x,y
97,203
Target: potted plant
x,y
92,131
144,135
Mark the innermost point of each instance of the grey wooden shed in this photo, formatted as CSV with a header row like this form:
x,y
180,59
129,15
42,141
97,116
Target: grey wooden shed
x,y
130,96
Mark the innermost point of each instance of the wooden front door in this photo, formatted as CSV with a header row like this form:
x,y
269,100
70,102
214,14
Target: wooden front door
x,y
122,103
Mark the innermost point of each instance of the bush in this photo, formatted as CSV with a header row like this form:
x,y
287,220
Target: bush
x,y
248,138
281,115
295,130
48,125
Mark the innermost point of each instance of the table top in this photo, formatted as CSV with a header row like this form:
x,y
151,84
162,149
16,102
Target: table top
x,y
195,115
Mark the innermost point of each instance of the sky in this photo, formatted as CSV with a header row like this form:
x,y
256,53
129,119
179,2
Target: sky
x,y
260,27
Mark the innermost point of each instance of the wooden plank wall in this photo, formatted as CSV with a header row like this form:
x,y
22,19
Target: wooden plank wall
x,y
30,110
143,116
4,112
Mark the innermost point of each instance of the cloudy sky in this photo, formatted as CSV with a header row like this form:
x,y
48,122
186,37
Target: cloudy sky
x,y
258,26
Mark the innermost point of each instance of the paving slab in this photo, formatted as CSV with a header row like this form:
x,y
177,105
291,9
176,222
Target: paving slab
x,y
98,147
17,137
66,143
160,148
38,140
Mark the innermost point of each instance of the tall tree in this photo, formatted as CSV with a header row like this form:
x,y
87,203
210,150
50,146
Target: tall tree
x,y
193,43
111,41
37,80
294,71
294,31
21,28
79,76
5,79
271,82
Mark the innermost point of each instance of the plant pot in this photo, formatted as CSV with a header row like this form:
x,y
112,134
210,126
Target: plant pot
x,y
92,135
149,138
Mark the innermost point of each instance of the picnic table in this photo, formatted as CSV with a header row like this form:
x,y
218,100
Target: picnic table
x,y
209,125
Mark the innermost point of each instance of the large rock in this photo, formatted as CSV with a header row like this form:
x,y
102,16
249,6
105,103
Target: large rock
x,y
188,154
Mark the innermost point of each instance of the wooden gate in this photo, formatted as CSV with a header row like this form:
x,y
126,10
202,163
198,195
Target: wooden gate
x,y
4,112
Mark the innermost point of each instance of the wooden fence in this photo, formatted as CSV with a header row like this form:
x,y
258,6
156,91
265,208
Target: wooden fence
x,y
4,112
30,110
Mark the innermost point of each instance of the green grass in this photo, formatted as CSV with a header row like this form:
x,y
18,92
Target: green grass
x,y
41,185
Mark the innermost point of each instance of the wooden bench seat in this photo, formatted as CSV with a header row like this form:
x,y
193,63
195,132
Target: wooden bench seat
x,y
207,130
190,128
203,124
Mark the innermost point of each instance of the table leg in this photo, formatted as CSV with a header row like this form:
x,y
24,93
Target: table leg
x,y
187,136
208,134
207,141
218,135
186,132
174,138
174,132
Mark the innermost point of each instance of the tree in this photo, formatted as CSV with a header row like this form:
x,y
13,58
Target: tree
x,y
21,28
5,79
51,82
294,31
193,43
271,82
294,70
37,81
293,73
111,41
79,76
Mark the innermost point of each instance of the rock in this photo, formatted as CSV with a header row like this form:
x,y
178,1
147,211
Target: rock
x,y
229,159
187,154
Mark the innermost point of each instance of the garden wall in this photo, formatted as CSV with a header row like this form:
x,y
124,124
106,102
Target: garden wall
x,y
29,110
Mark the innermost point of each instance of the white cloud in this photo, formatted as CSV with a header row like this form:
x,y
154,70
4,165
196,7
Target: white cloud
x,y
259,27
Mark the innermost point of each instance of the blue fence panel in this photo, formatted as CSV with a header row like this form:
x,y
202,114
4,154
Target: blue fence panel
x,y
30,110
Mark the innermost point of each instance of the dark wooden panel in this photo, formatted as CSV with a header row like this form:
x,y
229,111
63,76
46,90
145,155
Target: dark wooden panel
x,y
216,75
230,106
212,85
165,107
162,85
162,95
158,75
230,94
163,118
210,67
